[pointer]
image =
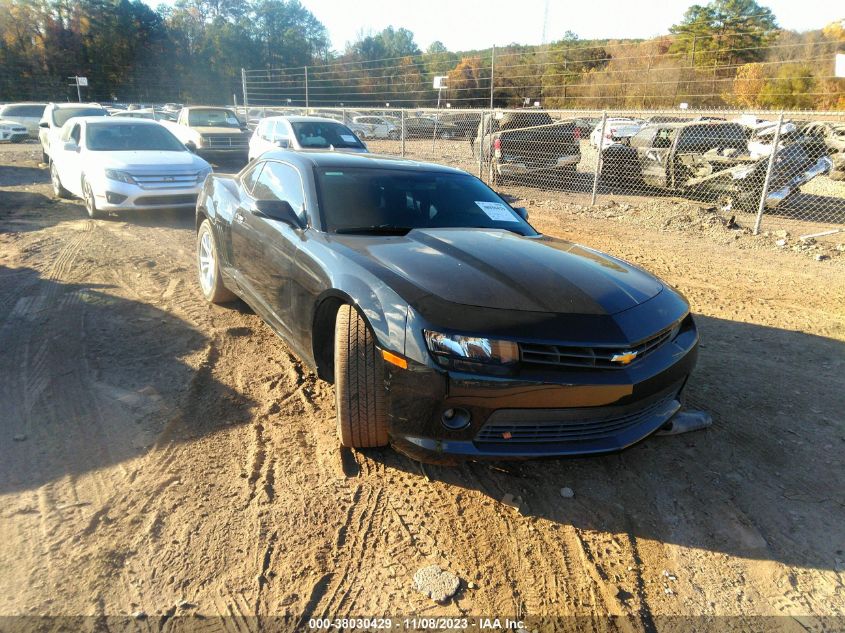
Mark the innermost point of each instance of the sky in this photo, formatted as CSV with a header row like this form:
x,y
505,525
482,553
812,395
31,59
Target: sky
x,y
475,24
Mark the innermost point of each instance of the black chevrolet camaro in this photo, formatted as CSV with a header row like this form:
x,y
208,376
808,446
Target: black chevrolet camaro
x,y
449,326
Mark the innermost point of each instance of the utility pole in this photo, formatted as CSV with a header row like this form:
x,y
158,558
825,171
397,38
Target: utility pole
x,y
492,74
243,87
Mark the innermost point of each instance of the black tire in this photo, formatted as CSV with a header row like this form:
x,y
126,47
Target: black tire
x,y
393,136
90,201
45,160
208,262
58,190
445,135
359,383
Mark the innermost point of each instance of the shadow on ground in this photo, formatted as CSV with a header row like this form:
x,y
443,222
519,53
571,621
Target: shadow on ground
x,y
91,379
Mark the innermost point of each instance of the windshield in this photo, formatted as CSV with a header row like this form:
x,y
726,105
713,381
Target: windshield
x,y
31,111
353,199
319,134
105,137
213,117
61,115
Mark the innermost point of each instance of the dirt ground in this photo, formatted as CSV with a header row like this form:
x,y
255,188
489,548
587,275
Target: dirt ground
x,y
163,457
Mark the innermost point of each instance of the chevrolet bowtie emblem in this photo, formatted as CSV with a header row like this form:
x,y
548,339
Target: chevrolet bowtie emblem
x,y
624,358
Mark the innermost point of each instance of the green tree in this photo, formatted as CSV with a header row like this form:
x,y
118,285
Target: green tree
x,y
724,32
790,88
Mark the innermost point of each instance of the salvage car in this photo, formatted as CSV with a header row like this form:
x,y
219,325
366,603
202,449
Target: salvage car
x,y
428,127
376,127
118,164
710,159
824,138
302,132
528,144
56,115
211,132
26,114
449,326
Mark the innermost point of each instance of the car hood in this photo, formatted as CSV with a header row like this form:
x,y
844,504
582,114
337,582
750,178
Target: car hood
x,y
499,269
145,160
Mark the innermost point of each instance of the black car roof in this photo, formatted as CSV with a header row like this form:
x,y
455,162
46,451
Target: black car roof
x,y
340,160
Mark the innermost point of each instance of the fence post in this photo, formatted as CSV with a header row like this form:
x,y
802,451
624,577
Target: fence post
x,y
598,159
306,90
492,74
243,87
480,139
403,132
765,192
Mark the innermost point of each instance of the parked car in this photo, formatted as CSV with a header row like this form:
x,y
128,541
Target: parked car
x,y
116,164
302,132
140,113
211,132
12,131
526,143
710,158
375,127
56,115
616,131
426,127
823,138
448,325
464,123
26,114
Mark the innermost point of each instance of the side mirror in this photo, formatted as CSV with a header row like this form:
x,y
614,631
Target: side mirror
x,y
522,212
44,124
278,210
71,146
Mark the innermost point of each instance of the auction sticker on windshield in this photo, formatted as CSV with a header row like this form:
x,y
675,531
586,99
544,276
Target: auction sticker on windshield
x,y
496,211
348,138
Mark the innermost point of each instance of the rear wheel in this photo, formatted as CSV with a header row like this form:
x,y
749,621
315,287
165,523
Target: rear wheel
x,y
58,190
359,383
208,267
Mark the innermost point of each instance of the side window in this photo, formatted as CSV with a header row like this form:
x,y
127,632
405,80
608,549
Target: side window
x,y
280,131
281,182
251,176
76,133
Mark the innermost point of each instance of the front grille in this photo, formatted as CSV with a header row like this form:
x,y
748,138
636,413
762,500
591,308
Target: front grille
x,y
594,357
540,426
225,141
152,201
182,180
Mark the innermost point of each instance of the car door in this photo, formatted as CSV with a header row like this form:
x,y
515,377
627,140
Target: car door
x,y
264,249
68,161
653,146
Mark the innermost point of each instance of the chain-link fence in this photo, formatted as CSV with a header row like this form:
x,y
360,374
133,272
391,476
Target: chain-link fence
x,y
721,159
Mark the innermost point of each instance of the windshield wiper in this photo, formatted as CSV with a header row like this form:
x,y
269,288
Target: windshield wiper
x,y
382,229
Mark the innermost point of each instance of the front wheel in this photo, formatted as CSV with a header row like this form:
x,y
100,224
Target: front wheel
x,y
208,267
58,190
90,201
359,383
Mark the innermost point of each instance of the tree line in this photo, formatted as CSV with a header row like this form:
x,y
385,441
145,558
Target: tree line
x,y
724,53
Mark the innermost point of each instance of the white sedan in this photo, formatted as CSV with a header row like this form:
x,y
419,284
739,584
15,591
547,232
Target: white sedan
x,y
376,127
302,132
116,164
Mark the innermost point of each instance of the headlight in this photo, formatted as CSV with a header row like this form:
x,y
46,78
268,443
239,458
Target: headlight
x,y
203,173
200,142
468,352
120,176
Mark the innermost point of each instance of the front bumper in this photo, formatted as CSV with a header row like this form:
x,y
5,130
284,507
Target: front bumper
x,y
14,136
223,154
539,413
774,198
108,194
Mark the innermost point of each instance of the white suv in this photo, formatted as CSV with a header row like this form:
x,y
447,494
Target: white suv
x,y
56,115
